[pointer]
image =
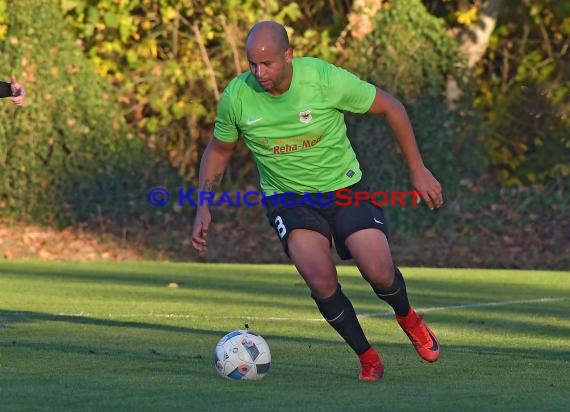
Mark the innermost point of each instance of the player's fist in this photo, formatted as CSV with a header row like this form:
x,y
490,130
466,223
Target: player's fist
x,y
200,229
18,92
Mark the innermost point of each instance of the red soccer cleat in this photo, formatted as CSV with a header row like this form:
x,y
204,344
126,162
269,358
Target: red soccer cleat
x,y
371,366
422,337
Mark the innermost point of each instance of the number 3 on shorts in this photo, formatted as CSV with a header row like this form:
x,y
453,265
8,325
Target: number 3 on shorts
x,y
280,226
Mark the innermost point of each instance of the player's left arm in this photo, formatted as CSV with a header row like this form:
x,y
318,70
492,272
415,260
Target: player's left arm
x,y
422,179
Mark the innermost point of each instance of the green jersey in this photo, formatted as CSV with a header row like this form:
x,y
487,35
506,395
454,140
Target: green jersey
x,y
298,138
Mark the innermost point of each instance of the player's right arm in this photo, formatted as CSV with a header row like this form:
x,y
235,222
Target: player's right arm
x,y
14,90
215,159
212,166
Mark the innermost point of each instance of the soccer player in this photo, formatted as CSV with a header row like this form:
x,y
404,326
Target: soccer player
x,y
290,113
14,90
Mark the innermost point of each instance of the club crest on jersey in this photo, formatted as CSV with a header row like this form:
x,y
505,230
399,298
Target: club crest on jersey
x,y
305,116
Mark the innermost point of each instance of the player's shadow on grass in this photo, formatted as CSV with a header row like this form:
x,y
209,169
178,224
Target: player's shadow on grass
x,y
262,291
191,276
10,318
422,291
15,316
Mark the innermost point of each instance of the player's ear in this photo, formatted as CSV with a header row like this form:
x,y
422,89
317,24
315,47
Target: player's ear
x,y
289,54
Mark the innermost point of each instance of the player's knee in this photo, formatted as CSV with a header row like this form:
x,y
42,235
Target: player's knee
x,y
323,288
382,276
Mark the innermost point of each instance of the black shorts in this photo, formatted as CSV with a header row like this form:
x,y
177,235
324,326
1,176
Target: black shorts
x,y
332,214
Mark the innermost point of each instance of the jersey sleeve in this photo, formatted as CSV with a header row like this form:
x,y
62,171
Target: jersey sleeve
x,y
225,127
348,92
5,90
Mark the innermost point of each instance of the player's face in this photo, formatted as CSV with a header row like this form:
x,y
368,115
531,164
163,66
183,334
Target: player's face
x,y
271,68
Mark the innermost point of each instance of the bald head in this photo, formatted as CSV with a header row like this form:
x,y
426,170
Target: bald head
x,y
269,56
267,35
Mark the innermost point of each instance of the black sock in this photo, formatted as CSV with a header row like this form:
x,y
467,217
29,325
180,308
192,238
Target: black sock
x,y
396,295
339,313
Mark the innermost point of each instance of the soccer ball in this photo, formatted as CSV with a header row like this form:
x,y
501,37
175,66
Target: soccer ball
x,y
242,355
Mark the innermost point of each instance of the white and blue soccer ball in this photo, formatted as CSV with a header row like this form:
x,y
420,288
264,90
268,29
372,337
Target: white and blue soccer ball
x,y
242,355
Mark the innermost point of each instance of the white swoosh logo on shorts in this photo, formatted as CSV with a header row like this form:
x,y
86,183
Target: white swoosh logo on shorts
x,y
254,121
378,221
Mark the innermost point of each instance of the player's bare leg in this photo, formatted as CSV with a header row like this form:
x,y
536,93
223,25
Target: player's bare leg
x,y
312,255
371,253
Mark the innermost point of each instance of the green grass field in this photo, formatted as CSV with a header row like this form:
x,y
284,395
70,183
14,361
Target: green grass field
x,y
114,337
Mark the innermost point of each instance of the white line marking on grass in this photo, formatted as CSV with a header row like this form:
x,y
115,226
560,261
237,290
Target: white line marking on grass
x,y
467,306
276,318
189,316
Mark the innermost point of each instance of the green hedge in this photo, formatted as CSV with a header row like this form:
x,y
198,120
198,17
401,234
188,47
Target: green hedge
x,y
410,55
67,155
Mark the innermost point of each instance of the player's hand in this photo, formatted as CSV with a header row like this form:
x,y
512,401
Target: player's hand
x,y
428,186
18,92
200,229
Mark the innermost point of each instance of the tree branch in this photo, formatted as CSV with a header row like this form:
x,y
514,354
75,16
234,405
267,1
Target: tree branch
x,y
205,57
475,40
232,43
